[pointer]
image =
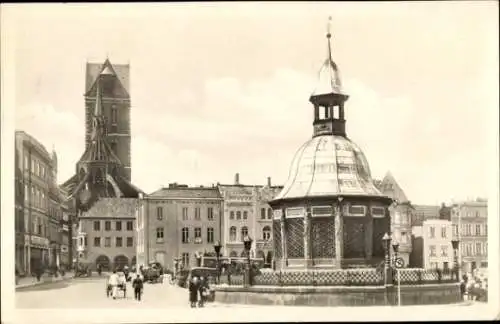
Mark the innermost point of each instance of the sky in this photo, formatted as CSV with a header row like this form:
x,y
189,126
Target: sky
x,y
218,89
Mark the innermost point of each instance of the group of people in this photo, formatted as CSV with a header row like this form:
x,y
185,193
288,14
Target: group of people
x,y
199,290
473,287
117,281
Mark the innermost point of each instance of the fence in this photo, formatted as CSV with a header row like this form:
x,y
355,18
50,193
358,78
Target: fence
x,y
341,277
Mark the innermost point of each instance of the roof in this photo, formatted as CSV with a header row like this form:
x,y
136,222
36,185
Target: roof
x,y
112,208
424,212
186,193
328,80
122,72
390,187
329,165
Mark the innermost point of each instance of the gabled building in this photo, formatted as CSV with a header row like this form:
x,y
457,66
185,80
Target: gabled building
x,y
103,170
401,215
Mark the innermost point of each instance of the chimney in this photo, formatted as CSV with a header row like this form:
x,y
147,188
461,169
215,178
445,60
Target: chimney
x,y
269,181
237,179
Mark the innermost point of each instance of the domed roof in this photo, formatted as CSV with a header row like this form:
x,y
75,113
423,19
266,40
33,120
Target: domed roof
x,y
329,165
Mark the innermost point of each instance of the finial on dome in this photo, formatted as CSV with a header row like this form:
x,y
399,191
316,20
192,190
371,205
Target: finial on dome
x,y
328,33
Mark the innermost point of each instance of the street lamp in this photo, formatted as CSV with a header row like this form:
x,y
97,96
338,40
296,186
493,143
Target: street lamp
x,y
395,247
247,241
454,244
217,247
386,240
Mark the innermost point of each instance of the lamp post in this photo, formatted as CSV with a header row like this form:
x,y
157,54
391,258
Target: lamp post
x,y
217,247
454,244
247,241
395,247
386,240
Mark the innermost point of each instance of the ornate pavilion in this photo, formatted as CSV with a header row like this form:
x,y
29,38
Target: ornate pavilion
x,y
329,213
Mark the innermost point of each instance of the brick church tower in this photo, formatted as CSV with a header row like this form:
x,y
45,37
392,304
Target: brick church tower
x,y
115,103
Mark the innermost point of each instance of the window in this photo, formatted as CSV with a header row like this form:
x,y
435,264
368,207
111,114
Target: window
x,y
185,259
444,250
404,238
269,213
455,229
432,232
107,241
197,214
245,214
231,215
159,235
114,115
232,234
119,242
114,147
238,215
42,172
469,229
107,226
266,233
118,225
210,235
97,241
26,192
197,232
262,213
32,166
432,250
478,248
446,265
478,229
130,241
244,232
485,229
477,214
130,225
159,213
97,226
443,231
185,235
26,163
210,213
434,265
37,168
185,213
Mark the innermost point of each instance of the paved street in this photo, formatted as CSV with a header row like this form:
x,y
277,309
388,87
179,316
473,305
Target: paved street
x,y
90,293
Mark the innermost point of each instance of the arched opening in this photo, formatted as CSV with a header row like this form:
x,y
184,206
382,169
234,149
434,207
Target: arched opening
x,y
244,254
233,254
134,261
103,261
261,255
120,262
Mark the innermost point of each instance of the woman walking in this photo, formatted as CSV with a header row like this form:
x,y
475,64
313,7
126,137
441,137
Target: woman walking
x,y
193,291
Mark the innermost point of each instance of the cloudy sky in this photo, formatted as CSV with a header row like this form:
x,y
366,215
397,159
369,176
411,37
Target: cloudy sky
x,y
223,88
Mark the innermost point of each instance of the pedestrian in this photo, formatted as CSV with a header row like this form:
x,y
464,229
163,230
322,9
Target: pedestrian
x,y
114,281
193,291
138,286
203,290
463,287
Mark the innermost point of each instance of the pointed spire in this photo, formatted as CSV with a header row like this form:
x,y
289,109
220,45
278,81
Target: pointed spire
x,y
329,76
98,106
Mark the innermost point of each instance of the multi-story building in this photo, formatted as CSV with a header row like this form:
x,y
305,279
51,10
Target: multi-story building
x,y
437,247
37,219
178,222
401,215
470,226
424,212
247,212
106,234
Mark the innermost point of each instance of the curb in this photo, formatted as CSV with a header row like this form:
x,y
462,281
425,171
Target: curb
x,y
41,283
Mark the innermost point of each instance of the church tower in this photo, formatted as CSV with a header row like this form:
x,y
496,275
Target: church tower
x,y
115,105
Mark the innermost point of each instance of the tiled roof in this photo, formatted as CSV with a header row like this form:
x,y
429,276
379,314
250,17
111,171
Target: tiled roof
x,y
188,192
390,187
122,73
112,208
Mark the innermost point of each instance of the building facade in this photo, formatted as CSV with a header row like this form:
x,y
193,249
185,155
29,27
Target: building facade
x,y
437,247
470,226
401,215
116,105
106,234
37,220
178,222
247,212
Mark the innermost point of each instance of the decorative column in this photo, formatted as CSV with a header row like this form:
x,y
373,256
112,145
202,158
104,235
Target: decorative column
x,y
339,239
307,236
369,233
284,253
